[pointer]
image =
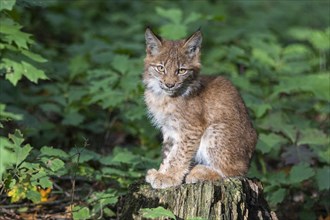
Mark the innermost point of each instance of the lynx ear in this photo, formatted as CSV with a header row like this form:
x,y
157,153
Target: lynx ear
x,y
193,43
153,42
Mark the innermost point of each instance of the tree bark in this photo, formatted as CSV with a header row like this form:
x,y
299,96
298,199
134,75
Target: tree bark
x,y
231,198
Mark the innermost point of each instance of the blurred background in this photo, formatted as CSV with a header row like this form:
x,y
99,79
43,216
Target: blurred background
x,y
74,127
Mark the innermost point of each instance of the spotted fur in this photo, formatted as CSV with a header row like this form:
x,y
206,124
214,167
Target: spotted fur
x,y
207,133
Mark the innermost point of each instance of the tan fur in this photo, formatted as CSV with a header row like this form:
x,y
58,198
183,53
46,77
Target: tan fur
x,y
206,129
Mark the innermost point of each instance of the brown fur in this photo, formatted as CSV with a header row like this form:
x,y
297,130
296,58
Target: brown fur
x,y
207,134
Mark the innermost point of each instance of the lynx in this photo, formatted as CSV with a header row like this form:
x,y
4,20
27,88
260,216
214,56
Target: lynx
x,y
207,133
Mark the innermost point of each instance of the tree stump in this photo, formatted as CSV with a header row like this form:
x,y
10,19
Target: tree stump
x,y
228,199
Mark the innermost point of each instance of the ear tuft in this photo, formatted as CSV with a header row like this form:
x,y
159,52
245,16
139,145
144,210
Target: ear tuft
x,y
153,42
193,43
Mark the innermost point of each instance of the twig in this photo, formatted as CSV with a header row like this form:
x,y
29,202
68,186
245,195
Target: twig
x,y
35,204
10,213
73,180
60,189
78,178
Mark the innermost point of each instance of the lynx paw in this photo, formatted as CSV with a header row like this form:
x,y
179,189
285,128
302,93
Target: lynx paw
x,y
160,180
201,173
191,179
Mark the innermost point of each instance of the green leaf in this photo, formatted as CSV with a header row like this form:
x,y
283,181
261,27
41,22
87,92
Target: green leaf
x,y
13,34
277,178
50,107
111,200
269,141
318,84
313,137
124,157
34,196
319,39
290,131
278,122
7,156
324,154
193,16
300,173
323,178
34,56
174,15
50,151
20,152
16,70
121,63
108,212
82,155
111,98
235,52
78,65
277,196
130,83
73,118
173,31
56,164
76,94
32,73
45,182
113,171
135,112
107,197
7,4
40,178
53,164
261,109
295,60
263,57
4,115
80,213
157,213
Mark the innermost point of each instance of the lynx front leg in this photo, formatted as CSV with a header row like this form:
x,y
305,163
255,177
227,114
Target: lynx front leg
x,y
175,164
159,179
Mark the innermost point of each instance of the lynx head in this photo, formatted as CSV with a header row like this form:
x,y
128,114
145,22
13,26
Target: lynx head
x,y
172,67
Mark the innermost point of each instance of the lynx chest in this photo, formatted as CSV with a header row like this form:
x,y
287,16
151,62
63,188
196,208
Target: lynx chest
x,y
163,110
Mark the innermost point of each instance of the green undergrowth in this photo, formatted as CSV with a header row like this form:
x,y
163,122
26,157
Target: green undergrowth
x,y
71,97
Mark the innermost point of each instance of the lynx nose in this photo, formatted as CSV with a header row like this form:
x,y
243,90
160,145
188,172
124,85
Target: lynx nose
x,y
169,85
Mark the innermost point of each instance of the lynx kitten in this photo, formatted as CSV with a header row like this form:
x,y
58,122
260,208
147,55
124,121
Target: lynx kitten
x,y
207,133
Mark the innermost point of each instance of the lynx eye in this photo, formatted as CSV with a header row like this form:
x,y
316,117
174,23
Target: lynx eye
x,y
182,71
160,68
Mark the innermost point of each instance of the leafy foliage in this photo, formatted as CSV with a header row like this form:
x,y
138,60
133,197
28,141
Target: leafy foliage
x,y
88,67
158,212
17,61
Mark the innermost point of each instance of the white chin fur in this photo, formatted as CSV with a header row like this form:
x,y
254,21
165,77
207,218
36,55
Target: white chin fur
x,y
154,86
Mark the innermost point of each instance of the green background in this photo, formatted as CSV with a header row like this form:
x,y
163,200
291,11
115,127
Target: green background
x,y
70,78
